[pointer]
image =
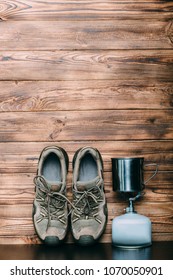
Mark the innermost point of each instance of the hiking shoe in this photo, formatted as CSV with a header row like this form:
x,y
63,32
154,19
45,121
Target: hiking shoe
x,y
50,210
89,214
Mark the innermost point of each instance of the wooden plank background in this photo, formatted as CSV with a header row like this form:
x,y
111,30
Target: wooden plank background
x,y
78,73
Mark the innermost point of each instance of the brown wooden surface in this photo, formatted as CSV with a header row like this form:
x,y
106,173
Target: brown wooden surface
x,y
81,9
156,65
66,35
84,95
63,125
77,73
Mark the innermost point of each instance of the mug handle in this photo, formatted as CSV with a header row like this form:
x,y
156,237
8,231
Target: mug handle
x,y
154,174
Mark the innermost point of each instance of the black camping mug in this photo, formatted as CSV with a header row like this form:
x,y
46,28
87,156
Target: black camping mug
x,y
128,174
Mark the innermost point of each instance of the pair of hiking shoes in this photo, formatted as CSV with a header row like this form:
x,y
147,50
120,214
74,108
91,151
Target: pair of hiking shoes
x,y
87,214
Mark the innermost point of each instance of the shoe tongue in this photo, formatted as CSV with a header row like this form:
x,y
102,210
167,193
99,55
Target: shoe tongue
x,y
55,186
82,185
49,185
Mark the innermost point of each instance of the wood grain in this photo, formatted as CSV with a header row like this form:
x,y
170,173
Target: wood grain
x,y
81,9
113,125
106,65
23,157
83,95
87,35
85,73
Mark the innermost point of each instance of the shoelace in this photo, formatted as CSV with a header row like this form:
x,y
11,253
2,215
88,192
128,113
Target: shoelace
x,y
52,203
87,203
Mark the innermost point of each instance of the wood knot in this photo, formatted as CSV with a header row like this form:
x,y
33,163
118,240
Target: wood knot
x,y
2,18
170,32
